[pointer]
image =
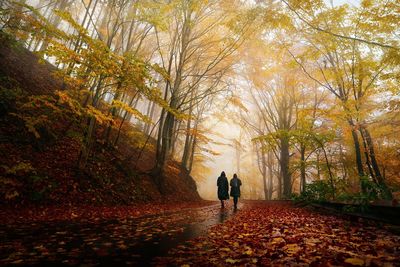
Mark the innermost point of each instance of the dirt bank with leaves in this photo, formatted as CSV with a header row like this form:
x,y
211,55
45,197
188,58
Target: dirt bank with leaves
x,y
40,142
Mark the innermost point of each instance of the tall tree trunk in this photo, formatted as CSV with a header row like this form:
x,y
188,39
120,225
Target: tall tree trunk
x,y
318,166
328,165
279,183
150,113
191,160
113,114
186,148
189,133
174,138
270,175
264,175
357,149
162,156
87,145
367,161
284,162
375,167
302,167
157,168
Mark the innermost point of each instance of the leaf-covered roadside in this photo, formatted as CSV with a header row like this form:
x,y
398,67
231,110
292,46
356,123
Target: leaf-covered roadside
x,y
282,235
90,213
94,235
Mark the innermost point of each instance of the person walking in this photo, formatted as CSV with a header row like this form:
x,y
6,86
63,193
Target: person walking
x,y
223,188
235,184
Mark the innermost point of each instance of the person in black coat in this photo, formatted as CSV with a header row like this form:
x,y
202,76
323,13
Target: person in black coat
x,y
235,184
223,188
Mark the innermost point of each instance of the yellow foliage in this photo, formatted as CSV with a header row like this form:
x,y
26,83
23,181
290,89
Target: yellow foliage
x,y
131,110
237,102
98,115
24,167
32,122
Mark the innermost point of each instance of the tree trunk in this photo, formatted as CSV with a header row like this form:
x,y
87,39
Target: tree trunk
x,y
186,148
328,165
371,152
302,168
191,161
113,114
357,150
270,175
174,138
318,166
188,143
122,122
279,183
284,162
264,175
150,113
87,145
165,144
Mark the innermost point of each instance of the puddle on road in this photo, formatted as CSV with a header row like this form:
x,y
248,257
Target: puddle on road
x,y
148,250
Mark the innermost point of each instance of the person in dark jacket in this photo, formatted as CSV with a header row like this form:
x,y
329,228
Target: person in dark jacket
x,y
235,184
223,188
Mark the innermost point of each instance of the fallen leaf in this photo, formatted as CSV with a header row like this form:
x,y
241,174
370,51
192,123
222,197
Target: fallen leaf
x,y
355,261
232,261
291,249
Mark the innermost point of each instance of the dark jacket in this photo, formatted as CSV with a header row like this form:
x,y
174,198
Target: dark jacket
x,y
223,188
235,187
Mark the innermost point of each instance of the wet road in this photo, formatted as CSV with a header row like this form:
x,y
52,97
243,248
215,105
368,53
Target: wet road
x,y
127,241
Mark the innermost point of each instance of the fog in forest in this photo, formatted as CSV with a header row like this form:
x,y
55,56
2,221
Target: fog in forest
x,y
290,95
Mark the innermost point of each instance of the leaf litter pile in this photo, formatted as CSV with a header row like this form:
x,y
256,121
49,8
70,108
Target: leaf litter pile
x,y
279,234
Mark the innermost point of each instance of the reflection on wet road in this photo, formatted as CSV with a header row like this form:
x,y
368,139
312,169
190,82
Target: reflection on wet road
x,y
203,219
127,241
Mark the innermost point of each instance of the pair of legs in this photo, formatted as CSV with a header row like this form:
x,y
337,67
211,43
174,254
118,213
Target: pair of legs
x,y
235,201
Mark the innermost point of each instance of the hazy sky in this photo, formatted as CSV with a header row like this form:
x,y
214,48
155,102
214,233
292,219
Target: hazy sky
x,y
225,161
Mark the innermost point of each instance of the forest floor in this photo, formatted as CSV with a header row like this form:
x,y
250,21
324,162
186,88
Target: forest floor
x,y
196,234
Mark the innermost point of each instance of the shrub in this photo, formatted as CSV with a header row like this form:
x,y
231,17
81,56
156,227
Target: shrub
x,y
317,191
